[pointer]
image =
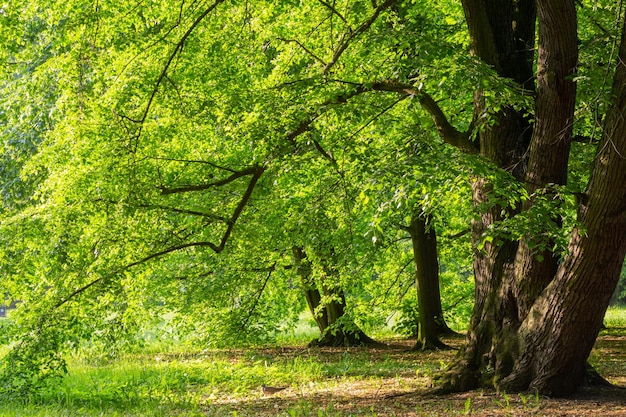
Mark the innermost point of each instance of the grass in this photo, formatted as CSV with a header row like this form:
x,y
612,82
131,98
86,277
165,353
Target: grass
x,y
615,317
177,381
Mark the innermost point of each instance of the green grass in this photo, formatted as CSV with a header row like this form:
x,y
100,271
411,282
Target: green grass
x,y
186,383
615,317
166,380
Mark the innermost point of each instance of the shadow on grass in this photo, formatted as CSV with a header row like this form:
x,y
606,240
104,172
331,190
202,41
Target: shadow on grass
x,y
344,402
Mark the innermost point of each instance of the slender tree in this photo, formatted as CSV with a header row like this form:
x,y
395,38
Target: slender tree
x,y
328,307
431,321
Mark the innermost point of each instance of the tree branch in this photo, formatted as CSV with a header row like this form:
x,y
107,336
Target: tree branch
x,y
323,152
447,132
193,161
140,261
305,125
183,211
334,11
239,209
458,234
346,40
393,284
177,49
257,297
201,187
216,248
304,48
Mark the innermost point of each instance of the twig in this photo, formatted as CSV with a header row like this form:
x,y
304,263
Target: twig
x,y
334,11
346,40
257,297
304,48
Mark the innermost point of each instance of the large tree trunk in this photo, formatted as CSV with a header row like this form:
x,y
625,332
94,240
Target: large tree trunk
x,y
558,334
550,144
535,321
431,322
329,311
502,35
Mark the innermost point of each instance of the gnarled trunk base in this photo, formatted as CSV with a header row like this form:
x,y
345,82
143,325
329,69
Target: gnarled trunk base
x,y
345,338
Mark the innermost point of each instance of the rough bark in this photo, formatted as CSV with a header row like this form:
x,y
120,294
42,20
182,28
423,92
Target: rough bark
x,y
502,35
552,135
559,332
328,311
431,322
534,323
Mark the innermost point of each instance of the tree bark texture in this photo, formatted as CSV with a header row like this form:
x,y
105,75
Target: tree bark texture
x,y
552,133
534,323
502,35
559,332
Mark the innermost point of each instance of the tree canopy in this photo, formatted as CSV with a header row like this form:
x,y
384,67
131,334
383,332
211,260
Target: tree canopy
x,y
168,157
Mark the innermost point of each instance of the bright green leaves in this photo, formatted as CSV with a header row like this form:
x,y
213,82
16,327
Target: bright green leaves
x,y
142,137
142,98
544,225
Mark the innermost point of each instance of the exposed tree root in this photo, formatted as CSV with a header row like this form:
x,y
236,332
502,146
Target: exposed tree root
x,y
429,345
358,338
460,377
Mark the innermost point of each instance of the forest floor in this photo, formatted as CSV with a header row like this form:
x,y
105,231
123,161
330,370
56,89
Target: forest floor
x,y
173,380
395,390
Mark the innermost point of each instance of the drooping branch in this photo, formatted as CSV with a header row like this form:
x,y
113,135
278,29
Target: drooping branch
x,y
195,161
341,98
132,264
458,234
177,49
217,248
378,115
242,204
255,171
162,76
394,283
447,132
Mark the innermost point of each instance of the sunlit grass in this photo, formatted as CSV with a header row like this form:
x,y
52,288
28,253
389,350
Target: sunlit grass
x,y
615,317
176,380
187,383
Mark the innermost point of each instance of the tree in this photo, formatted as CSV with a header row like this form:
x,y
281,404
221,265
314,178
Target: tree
x,y
328,310
431,321
172,123
520,292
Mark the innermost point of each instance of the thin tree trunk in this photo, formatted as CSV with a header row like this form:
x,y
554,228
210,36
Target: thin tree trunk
x,y
431,321
311,293
329,311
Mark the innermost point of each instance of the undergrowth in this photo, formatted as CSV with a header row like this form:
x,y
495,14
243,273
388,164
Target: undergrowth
x,y
176,380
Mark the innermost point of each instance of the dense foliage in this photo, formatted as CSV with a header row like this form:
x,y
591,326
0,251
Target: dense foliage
x,y
162,159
